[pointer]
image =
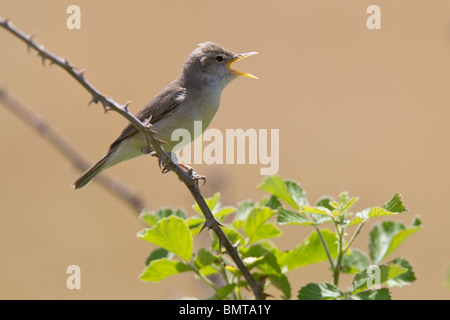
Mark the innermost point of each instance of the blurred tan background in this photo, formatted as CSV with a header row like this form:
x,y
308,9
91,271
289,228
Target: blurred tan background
x,y
361,110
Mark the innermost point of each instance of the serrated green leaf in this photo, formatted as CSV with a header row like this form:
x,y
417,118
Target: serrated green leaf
x,y
392,207
378,294
319,291
369,213
355,262
243,209
276,186
350,203
387,236
203,258
395,204
172,234
405,278
148,217
272,202
158,254
309,251
160,269
376,275
297,193
285,216
318,210
152,218
256,226
325,202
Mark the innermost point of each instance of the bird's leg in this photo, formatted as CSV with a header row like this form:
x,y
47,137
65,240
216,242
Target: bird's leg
x,y
189,170
194,175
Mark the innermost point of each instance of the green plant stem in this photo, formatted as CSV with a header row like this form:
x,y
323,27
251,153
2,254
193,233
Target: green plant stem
x,y
325,247
337,267
204,278
353,237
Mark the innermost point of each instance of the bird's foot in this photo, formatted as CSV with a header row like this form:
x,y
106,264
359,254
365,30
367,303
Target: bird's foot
x,y
195,176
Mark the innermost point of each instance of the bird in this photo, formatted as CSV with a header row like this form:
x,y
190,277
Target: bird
x,y
193,96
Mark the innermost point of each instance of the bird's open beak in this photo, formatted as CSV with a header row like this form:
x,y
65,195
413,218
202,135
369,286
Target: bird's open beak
x,y
240,57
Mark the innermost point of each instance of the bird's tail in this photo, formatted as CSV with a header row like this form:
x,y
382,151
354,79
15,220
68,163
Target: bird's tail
x,y
90,173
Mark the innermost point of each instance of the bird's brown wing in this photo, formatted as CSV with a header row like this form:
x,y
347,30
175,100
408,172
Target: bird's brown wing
x,y
158,108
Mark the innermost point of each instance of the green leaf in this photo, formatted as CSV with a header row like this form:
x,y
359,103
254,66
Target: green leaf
x,y
232,235
285,216
355,262
310,251
158,254
276,186
376,275
160,269
319,291
203,258
297,193
272,202
369,213
343,197
395,204
151,218
256,226
378,294
269,265
209,270
195,224
172,234
223,212
148,217
211,202
317,210
350,204
224,291
405,278
392,207
325,202
387,236
281,282
243,209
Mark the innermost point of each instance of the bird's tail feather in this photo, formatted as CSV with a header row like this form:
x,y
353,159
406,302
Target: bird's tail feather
x,y
90,173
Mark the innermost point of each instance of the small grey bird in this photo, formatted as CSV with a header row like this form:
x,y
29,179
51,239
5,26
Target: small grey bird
x,y
193,96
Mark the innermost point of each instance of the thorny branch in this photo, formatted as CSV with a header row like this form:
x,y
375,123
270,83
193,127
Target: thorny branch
x,y
154,143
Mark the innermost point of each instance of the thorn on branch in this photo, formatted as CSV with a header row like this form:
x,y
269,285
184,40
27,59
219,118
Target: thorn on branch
x,y
125,106
161,141
30,41
81,74
148,123
43,58
105,105
93,100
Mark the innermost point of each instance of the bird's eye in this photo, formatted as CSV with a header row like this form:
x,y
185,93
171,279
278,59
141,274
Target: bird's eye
x,y
219,58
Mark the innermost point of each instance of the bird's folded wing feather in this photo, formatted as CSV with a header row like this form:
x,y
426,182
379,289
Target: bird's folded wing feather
x,y
158,108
